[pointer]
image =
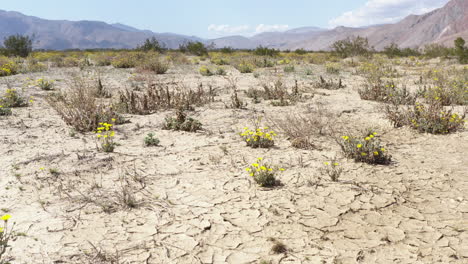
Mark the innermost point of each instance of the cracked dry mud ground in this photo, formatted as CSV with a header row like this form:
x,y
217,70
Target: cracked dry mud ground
x,y
195,204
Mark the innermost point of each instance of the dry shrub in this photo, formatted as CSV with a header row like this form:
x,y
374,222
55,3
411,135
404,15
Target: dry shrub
x,y
154,64
386,91
276,91
330,84
79,108
300,129
163,96
432,118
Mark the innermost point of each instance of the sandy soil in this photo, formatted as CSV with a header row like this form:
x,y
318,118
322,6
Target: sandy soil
x,y
196,204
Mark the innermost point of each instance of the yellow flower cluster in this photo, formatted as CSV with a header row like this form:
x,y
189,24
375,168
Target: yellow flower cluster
x,y
105,134
260,137
263,173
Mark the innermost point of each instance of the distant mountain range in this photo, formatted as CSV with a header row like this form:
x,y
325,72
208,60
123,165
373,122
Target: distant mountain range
x,y
442,26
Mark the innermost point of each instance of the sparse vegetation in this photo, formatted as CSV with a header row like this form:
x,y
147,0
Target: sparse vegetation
x,y
263,173
366,149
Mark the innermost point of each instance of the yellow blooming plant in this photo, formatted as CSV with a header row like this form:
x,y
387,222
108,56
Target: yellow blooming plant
x,y
263,173
261,137
13,98
44,84
105,134
332,169
5,235
366,149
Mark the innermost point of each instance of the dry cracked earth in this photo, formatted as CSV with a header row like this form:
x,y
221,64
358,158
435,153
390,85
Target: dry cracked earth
x,y
192,202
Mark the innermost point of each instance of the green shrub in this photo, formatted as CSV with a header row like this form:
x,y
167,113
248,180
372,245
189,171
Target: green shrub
x,y
182,122
8,67
366,149
245,67
18,45
44,84
194,48
13,98
461,51
150,44
5,111
352,46
150,140
289,68
264,51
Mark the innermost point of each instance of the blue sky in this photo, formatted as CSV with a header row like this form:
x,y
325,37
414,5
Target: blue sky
x,y
210,18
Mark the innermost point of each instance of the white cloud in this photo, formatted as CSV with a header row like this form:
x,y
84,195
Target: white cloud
x,y
385,11
227,29
245,29
270,28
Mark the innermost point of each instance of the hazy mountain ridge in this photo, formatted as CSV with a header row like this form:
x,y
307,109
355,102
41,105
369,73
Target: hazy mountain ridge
x,y
442,25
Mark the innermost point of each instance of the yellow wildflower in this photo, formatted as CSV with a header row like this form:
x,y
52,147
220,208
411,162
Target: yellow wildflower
x,y
5,217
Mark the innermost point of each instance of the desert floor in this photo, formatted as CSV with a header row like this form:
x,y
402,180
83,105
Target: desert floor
x,y
194,201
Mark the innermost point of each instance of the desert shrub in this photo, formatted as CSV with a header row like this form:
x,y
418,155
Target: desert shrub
x,y
182,122
205,71
259,137
150,44
332,68
102,59
435,50
265,51
245,67
263,173
125,60
67,62
332,169
386,91
300,51
262,62
220,71
31,64
161,96
226,50
352,46
219,61
461,51
18,45
278,92
177,58
330,84
13,98
105,134
5,111
431,118
8,67
393,50
284,61
446,88
150,140
154,64
79,108
6,234
195,48
367,149
301,129
44,84
289,68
